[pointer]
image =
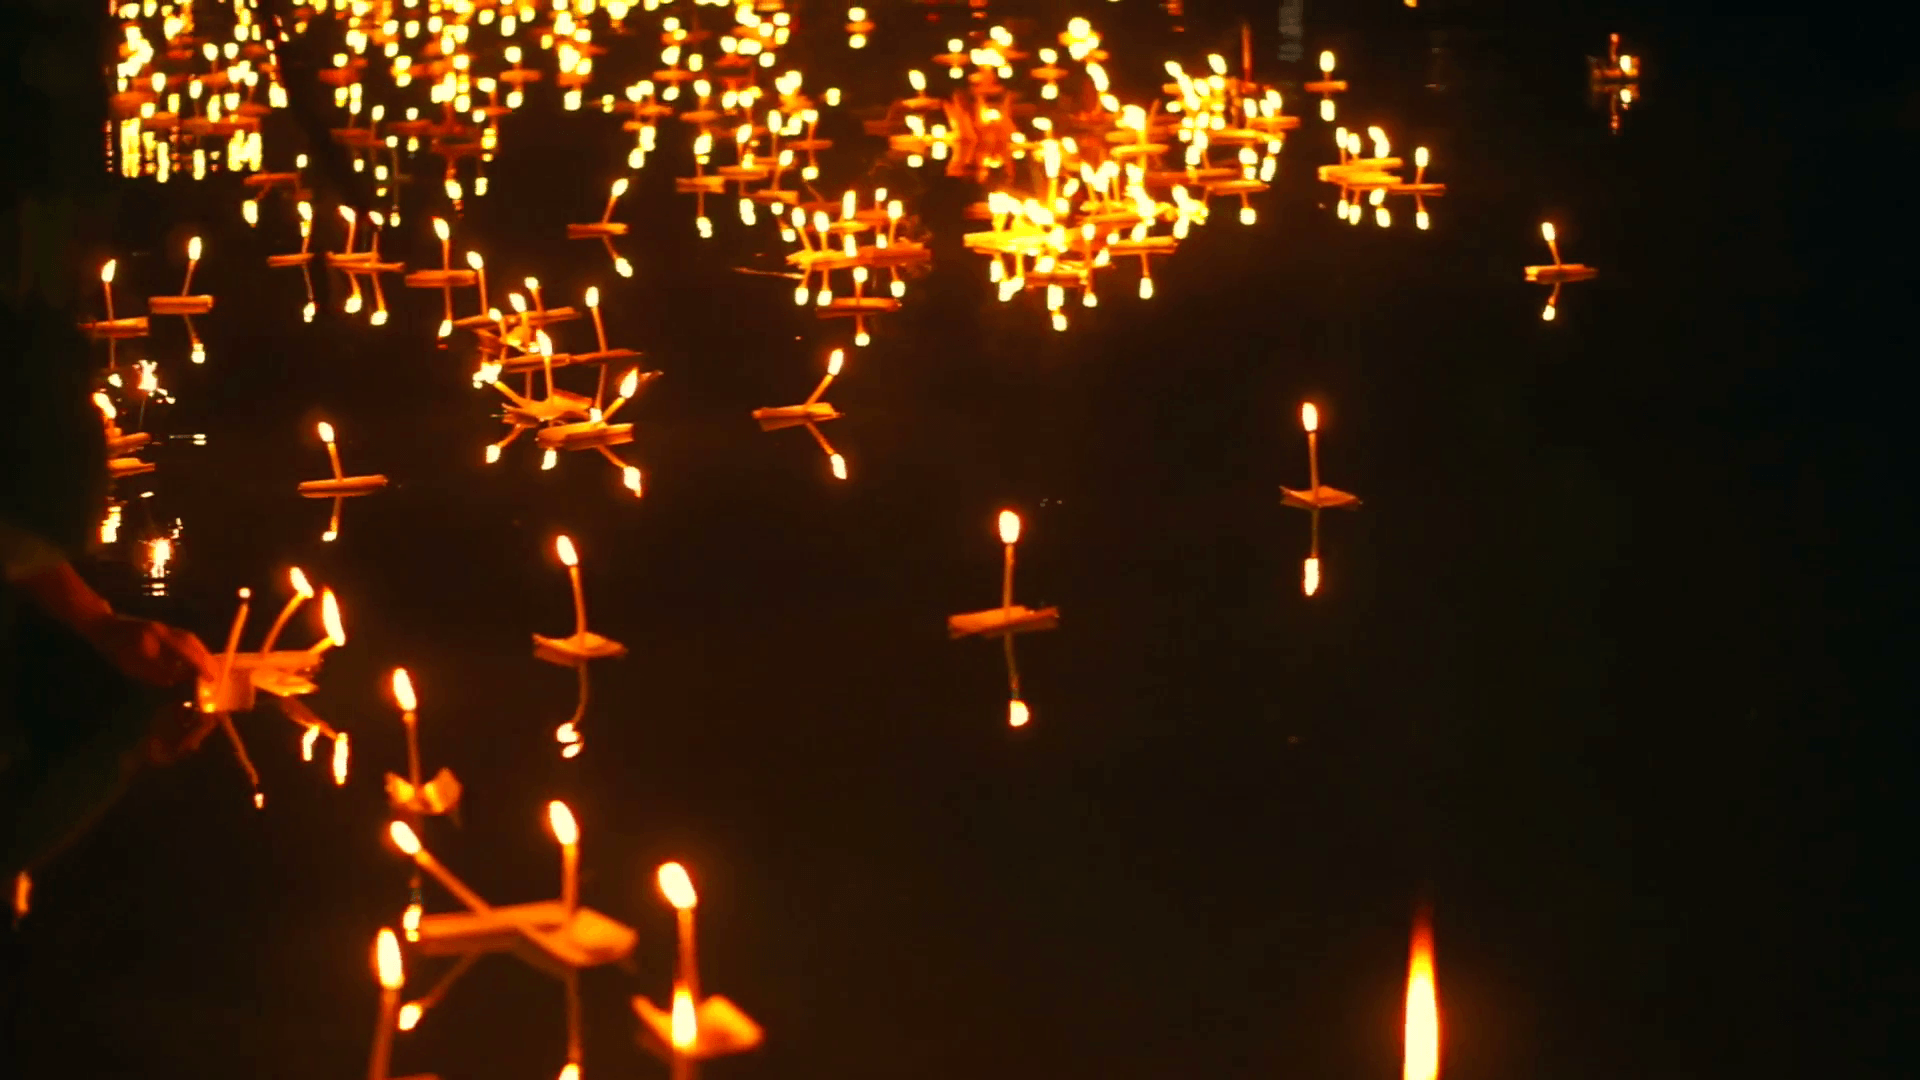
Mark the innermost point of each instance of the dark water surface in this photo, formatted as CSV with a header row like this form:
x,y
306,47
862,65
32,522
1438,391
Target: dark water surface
x,y
1562,680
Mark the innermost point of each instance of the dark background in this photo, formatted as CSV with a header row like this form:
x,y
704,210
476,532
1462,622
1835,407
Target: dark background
x,y
1595,671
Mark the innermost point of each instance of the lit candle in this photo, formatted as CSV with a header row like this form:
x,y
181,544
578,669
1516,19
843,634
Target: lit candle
x,y
619,189
685,1031
563,547
340,759
1553,247
593,305
193,259
567,831
106,284
1422,1060
480,275
409,844
1310,420
404,697
386,962
1009,536
333,452
446,255
302,592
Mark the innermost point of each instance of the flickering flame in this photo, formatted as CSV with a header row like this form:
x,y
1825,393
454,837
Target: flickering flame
x,y
593,296
1017,714
440,228
403,690
307,740
298,580
1626,65
193,250
839,465
563,547
1009,527
1309,416
326,431
105,406
1310,576
474,261
619,187
1420,157
631,383
835,362
1423,1008
565,829
569,1071
1326,62
630,476
410,921
106,272
330,618
340,760
386,960
686,1028
676,886
409,1017
1546,231
403,838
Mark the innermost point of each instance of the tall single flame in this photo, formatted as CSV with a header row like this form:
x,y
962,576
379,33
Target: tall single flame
x,y
298,579
1423,1008
631,383
403,690
563,547
1326,62
340,753
677,886
619,187
1310,575
440,228
326,431
1009,527
593,296
330,618
474,261
106,272
1309,416
386,960
403,838
836,361
1546,231
193,250
565,829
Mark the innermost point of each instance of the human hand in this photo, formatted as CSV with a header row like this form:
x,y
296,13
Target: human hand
x,y
176,731
147,651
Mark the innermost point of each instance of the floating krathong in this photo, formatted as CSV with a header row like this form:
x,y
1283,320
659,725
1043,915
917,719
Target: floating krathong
x,y
809,414
692,1027
341,486
1006,620
1315,498
1557,274
576,650
1615,79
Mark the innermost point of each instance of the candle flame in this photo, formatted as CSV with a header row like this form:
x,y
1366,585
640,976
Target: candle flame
x,y
563,547
106,272
839,466
410,921
440,229
326,431
1420,157
631,383
1009,527
1423,1009
193,250
619,187
386,960
1309,416
330,618
1310,576
403,690
403,838
677,886
409,1017
105,405
569,1071
307,740
1326,62
630,476
836,361
1546,231
565,829
593,296
686,1027
474,261
1017,713
298,580
340,760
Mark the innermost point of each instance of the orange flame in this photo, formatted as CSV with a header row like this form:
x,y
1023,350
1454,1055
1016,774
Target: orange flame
x,y
1423,1008
326,431
403,690
677,886
386,960
565,829
330,618
298,580
1017,714
403,838
1309,416
686,1026
340,760
563,547
1009,527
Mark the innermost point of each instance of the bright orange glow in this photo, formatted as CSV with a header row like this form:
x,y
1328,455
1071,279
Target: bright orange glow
x,y
330,618
193,250
475,262
676,886
1009,527
1017,713
1546,231
565,829
1423,1008
1420,157
619,187
1626,65
340,760
593,296
306,742
1326,62
631,383
839,466
836,361
386,960
569,1071
106,272
409,1017
686,1026
1309,416
563,547
410,922
440,228
298,580
403,690
1310,576
630,476
403,838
